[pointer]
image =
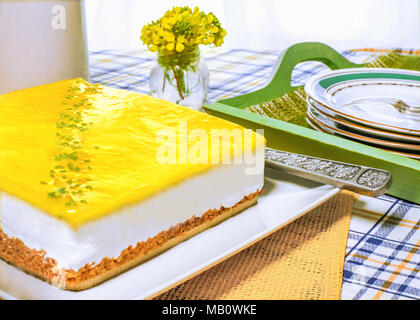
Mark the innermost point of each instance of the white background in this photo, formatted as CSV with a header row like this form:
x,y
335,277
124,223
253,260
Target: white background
x,y
267,24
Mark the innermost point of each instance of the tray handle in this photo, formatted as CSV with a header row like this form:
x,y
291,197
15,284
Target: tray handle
x,y
280,82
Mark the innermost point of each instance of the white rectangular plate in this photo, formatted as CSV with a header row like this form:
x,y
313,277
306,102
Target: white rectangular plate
x,y
285,198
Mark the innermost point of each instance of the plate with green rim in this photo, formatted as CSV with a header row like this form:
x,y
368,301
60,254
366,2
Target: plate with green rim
x,y
318,127
369,96
325,122
370,131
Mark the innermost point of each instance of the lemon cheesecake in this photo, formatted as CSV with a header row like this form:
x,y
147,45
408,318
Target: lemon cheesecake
x,y
95,180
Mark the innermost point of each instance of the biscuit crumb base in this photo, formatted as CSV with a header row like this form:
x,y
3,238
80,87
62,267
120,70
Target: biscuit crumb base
x,y
35,262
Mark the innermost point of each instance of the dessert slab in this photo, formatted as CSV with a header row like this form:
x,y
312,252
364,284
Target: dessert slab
x,y
285,198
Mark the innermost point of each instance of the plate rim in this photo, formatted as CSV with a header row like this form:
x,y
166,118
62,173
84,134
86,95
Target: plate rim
x,y
320,129
357,136
377,141
310,91
348,123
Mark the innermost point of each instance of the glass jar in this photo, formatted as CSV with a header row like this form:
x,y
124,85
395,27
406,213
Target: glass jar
x,y
180,77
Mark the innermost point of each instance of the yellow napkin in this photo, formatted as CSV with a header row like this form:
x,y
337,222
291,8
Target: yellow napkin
x,y
303,260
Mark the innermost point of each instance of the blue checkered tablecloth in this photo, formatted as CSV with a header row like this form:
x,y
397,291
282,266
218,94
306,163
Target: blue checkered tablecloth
x,y
382,257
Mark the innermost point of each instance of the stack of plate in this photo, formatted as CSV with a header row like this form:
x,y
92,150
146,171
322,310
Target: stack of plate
x,y
379,107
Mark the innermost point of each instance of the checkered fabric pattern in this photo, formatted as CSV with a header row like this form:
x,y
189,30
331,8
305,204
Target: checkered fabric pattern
x,y
383,256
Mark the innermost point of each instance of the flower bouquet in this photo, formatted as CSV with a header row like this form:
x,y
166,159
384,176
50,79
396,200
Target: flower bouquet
x,y
180,75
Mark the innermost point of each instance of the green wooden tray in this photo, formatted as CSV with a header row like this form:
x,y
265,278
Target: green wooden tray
x,y
293,138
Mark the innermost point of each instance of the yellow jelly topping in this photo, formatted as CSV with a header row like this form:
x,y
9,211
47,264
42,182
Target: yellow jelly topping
x,y
80,151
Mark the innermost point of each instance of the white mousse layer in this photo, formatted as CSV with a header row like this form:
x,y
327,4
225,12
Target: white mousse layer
x,y
107,237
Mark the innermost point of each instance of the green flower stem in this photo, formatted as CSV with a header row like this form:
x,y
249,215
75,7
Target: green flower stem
x,y
178,81
178,62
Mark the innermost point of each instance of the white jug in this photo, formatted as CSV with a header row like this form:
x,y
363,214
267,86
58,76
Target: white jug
x,y
41,42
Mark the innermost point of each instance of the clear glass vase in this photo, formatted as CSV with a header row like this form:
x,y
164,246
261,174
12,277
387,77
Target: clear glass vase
x,y
181,77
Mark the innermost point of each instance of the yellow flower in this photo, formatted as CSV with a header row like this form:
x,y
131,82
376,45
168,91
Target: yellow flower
x,y
155,39
182,28
153,48
200,39
218,42
160,32
180,39
165,23
169,37
190,42
173,20
214,29
179,47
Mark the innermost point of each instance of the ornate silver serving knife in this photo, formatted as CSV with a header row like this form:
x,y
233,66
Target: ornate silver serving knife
x,y
363,180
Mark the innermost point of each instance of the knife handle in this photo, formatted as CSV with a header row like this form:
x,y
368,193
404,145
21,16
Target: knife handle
x,y
360,179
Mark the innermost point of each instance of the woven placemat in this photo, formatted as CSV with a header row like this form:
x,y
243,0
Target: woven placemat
x,y
303,260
